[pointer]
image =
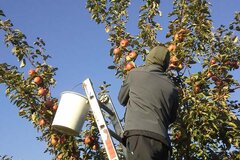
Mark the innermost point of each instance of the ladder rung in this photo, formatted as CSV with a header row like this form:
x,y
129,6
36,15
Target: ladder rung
x,y
115,135
105,108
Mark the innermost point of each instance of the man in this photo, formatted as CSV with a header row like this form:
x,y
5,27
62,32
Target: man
x,y
151,101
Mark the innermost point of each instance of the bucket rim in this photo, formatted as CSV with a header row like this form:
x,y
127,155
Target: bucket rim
x,y
72,92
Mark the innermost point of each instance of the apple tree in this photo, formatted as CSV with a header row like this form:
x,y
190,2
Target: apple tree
x,y
29,85
204,66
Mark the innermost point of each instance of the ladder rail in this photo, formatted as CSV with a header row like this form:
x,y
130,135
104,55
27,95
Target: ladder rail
x,y
107,105
100,121
113,116
115,119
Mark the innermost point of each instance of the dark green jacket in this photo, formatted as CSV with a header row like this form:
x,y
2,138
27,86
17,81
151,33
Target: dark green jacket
x,y
151,101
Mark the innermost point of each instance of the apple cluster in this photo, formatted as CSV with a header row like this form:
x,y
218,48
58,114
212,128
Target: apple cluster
x,y
128,59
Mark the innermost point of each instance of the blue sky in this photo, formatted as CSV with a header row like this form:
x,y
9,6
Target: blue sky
x,y
80,50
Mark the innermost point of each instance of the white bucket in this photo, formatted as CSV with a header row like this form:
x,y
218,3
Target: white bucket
x,y
71,113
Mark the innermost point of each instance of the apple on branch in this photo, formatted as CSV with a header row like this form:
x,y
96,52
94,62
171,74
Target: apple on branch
x,y
49,103
37,80
209,74
54,140
55,107
31,72
42,91
172,47
124,43
41,122
179,36
174,60
213,61
129,66
116,51
88,139
133,54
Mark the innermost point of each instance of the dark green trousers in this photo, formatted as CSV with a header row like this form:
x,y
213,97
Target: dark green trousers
x,y
145,148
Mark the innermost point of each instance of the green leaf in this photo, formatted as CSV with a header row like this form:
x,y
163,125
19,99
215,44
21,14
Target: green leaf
x,y
235,40
232,124
8,91
34,117
22,63
1,13
111,67
22,113
49,112
107,28
200,153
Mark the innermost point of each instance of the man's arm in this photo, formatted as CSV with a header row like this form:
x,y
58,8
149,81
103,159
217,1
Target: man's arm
x,y
123,94
174,109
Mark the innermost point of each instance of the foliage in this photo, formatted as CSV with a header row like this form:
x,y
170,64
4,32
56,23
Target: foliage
x,y
31,93
204,63
5,157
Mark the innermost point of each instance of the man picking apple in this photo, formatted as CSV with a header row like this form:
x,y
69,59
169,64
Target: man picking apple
x,y
151,101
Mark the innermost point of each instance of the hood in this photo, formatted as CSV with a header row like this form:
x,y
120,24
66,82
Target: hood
x,y
159,55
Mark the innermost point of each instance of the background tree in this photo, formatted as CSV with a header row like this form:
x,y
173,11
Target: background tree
x,y
204,63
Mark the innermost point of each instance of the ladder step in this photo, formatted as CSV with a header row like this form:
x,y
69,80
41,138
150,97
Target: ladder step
x,y
105,108
115,135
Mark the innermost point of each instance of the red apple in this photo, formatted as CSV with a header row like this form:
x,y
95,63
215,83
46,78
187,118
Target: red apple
x,y
218,83
214,78
41,122
174,60
42,91
49,103
31,72
172,47
196,89
37,80
116,51
180,35
55,107
209,74
129,66
60,156
213,61
88,139
54,140
95,147
172,66
132,54
124,43
62,140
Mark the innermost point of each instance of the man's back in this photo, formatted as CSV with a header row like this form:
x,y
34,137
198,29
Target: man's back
x,y
152,104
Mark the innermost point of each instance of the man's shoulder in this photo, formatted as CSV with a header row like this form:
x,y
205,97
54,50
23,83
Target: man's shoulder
x,y
137,69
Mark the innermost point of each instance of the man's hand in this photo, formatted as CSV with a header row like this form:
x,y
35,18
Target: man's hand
x,y
172,47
